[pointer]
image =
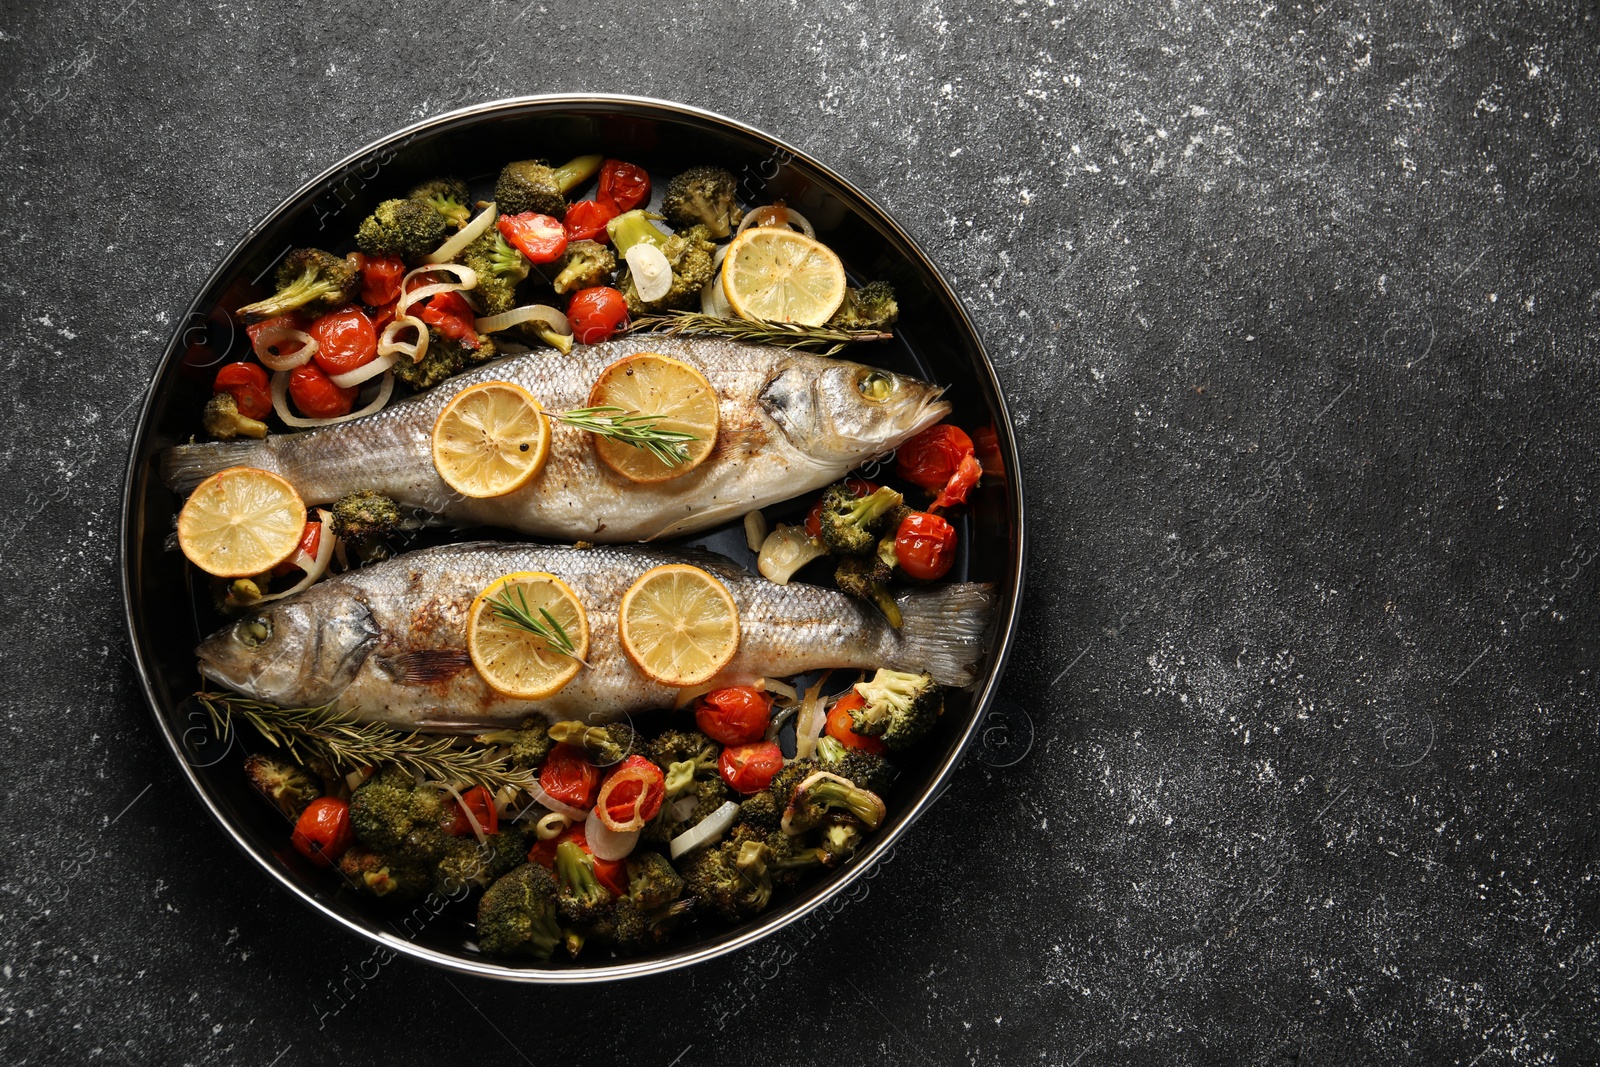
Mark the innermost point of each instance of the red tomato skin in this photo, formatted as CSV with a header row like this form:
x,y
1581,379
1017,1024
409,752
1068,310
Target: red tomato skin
x,y
635,769
315,394
841,727
452,316
736,715
750,768
570,776
859,486
346,340
247,384
380,280
596,314
323,832
586,221
960,484
613,874
539,237
482,804
623,185
932,457
310,541
925,545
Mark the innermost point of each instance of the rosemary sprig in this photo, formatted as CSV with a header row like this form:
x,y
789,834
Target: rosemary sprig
x,y
310,734
631,428
779,334
522,617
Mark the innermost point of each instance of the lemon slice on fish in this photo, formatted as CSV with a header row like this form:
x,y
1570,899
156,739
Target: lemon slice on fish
x,y
678,625
778,275
647,383
241,521
490,439
527,634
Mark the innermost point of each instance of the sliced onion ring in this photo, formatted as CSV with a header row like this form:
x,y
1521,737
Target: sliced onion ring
x,y
319,565
606,843
560,807
466,278
808,727
370,369
264,341
390,344
280,403
796,221
469,233
526,313
707,829
713,301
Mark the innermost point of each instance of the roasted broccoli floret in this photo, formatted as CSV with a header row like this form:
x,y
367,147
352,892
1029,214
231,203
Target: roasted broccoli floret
x,y
689,254
866,769
900,707
406,228
287,787
308,280
369,871
793,773
678,746
652,882
632,928
732,878
703,195
500,270
529,745
871,307
851,524
466,862
222,420
448,197
866,578
364,515
822,793
444,358
840,839
760,811
517,915
533,185
389,808
588,263
608,744
580,898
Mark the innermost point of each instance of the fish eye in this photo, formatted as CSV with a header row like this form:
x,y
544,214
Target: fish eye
x,y
877,386
253,632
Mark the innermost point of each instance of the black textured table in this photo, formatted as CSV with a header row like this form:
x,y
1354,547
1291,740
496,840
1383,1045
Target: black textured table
x,y
1298,311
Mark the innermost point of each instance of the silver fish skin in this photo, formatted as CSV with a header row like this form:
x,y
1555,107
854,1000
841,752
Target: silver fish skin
x,y
387,642
789,423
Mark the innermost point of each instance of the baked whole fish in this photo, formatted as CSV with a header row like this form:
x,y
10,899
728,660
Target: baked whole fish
x,y
789,423
388,642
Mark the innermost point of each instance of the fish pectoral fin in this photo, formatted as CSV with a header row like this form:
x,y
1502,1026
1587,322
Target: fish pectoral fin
x,y
428,665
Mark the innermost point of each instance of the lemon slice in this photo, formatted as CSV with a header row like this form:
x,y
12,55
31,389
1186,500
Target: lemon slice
x,y
490,439
240,522
778,275
652,384
678,625
514,660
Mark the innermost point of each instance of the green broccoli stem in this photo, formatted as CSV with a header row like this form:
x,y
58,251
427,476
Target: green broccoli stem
x,y
632,227
868,509
296,294
574,172
575,870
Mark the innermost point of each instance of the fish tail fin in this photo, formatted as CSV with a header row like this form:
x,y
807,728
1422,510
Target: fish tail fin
x,y
945,630
185,466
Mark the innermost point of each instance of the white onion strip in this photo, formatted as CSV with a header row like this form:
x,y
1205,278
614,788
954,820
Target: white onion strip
x,y
469,233
526,313
796,220
472,820
466,278
652,273
557,806
319,564
707,829
809,726
280,403
368,370
264,342
713,301
606,843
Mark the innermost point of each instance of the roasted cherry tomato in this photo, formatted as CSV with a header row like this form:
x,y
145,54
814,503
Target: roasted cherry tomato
x,y
613,874
539,237
323,832
596,314
925,545
383,316
314,393
749,768
586,221
569,776
480,802
345,340
452,316
736,715
380,280
841,727
247,384
282,348
940,459
623,185
859,486
310,541
632,794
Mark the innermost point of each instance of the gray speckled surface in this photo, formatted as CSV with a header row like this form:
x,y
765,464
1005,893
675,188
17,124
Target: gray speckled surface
x,y
1297,307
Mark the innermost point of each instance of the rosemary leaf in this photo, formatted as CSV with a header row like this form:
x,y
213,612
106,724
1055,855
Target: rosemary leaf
x,y
631,428
779,334
544,625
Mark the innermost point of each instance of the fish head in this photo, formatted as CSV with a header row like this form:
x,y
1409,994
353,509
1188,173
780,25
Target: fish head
x,y
837,411
298,652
